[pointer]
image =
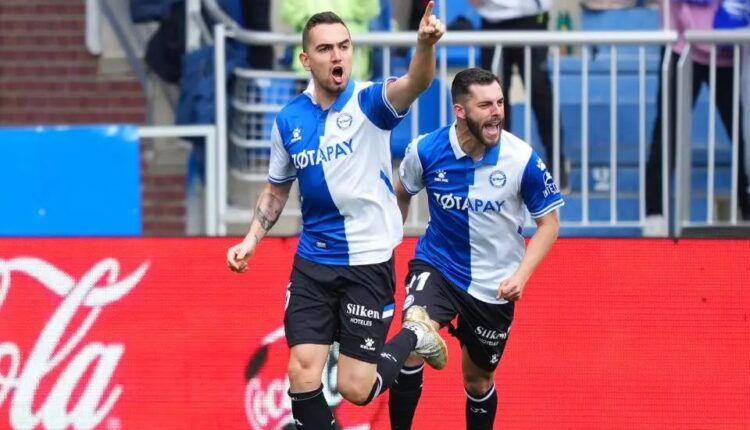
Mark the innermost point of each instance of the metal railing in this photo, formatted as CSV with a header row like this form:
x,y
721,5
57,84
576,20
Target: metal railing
x,y
478,39
208,132
684,116
585,43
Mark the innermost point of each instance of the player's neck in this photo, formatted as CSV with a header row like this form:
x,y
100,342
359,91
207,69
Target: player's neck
x,y
324,98
468,142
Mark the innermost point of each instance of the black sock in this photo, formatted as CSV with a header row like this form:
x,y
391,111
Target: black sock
x,y
395,352
405,393
480,410
311,410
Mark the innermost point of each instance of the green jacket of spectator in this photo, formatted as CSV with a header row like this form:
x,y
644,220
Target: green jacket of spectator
x,y
356,15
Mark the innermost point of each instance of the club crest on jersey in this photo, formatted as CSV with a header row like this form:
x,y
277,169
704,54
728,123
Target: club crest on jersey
x,y
344,121
296,135
498,179
440,176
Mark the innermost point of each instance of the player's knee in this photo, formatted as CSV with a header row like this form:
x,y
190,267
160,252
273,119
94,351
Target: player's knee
x,y
355,391
478,385
477,381
303,374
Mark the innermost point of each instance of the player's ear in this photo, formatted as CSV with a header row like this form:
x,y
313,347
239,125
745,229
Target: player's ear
x,y
459,111
305,60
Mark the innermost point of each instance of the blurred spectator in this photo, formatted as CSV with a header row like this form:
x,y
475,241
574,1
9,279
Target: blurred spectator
x,y
608,4
416,12
694,15
166,46
512,15
257,14
356,14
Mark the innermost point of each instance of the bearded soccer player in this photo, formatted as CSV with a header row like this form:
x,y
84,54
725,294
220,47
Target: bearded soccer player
x,y
472,260
335,140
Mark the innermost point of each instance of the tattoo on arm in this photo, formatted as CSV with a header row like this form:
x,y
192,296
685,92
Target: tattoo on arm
x,y
268,210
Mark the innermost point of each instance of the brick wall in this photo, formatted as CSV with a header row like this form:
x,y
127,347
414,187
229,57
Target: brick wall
x,y
48,77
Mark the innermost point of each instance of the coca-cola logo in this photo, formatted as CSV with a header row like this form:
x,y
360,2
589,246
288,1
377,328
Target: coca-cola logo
x,y
267,405
85,367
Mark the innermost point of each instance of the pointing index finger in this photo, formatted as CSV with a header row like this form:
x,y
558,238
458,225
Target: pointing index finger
x,y
428,10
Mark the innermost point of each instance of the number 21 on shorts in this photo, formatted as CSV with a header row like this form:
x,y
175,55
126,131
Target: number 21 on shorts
x,y
420,279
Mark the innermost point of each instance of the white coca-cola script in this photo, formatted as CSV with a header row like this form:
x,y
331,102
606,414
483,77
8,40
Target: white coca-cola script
x,y
100,286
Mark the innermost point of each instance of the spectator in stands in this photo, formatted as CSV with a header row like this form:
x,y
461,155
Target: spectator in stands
x,y
507,15
356,14
692,15
608,4
415,13
257,14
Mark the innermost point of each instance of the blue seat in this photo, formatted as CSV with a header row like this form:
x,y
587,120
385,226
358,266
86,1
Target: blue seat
x,y
627,208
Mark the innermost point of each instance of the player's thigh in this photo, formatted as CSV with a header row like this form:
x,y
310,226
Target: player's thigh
x,y
366,310
312,305
483,330
426,287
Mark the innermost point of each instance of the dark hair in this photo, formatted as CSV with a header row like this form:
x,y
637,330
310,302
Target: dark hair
x,y
466,78
317,19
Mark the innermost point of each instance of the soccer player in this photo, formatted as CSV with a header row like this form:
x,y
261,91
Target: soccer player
x,y
472,261
335,140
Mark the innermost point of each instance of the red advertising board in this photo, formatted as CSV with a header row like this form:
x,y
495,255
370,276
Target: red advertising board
x,y
123,334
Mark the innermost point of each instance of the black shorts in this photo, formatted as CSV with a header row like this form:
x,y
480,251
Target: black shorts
x,y
483,328
349,304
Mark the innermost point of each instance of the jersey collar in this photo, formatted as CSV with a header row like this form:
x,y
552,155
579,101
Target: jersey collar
x,y
490,156
341,100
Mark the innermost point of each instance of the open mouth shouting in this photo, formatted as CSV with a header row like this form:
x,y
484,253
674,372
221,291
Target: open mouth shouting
x,y
491,130
337,75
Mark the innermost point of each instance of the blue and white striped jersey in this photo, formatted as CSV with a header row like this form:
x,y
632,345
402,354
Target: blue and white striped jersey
x,y
342,159
477,208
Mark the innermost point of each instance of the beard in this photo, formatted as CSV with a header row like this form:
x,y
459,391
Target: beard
x,y
475,128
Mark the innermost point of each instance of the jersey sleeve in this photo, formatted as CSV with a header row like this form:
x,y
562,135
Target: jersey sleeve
x,y
410,171
280,167
539,191
378,108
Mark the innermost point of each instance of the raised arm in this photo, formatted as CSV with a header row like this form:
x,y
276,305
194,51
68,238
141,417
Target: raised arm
x,y
403,91
268,208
